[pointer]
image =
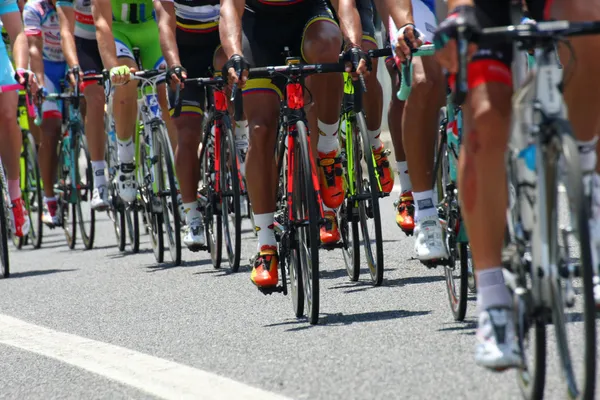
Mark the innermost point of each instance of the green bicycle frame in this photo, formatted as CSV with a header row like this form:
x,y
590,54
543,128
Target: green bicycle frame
x,y
407,70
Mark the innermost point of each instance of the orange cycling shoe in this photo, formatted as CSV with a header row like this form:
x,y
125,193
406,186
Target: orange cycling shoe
x,y
20,218
405,211
330,234
384,169
264,273
331,179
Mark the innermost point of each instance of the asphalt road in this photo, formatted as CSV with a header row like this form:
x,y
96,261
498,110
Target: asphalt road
x,y
397,341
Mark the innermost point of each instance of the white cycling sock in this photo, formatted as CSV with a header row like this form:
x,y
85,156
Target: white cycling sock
x,y
587,154
328,137
99,176
404,178
192,212
491,290
264,225
125,150
375,139
425,205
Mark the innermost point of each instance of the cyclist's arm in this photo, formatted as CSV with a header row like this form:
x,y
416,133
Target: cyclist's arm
x,y
14,27
230,26
66,16
167,24
102,12
35,39
349,20
400,11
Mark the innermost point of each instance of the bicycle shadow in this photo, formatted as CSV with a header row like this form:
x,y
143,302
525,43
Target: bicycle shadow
x,y
41,272
341,319
170,265
466,327
342,273
361,286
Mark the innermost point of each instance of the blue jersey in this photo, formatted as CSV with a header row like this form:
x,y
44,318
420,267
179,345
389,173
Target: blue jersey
x,y
430,4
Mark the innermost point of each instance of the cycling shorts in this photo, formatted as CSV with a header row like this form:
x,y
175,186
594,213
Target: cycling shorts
x,y
264,36
143,35
7,72
54,72
492,61
90,61
197,60
365,11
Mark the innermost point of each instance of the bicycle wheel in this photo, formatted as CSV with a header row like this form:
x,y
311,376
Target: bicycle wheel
x,y
84,186
305,208
133,227
33,193
168,192
369,215
581,386
5,226
66,195
348,213
153,220
230,197
212,214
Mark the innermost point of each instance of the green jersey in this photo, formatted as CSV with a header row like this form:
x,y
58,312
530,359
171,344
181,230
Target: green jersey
x,y
132,11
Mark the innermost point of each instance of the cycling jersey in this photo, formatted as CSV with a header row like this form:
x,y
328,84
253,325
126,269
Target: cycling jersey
x,y
196,17
84,21
6,68
132,11
40,19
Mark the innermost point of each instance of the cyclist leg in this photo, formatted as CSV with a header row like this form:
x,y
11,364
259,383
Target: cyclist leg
x,y
374,98
10,151
405,203
91,64
125,114
196,60
321,42
263,41
419,130
50,128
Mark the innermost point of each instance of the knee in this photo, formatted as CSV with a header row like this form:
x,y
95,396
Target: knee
x,y
490,126
94,99
427,86
262,133
322,43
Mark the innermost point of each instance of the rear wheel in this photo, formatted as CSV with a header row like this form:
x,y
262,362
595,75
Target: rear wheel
x,y
306,210
66,199
230,189
132,223
84,188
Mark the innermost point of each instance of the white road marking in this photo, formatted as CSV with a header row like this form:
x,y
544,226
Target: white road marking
x,y
153,375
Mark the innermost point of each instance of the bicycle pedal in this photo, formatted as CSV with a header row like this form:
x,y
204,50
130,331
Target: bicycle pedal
x,y
270,290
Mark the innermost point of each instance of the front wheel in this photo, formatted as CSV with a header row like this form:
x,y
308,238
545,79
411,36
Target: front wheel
x,y
83,189
5,223
230,199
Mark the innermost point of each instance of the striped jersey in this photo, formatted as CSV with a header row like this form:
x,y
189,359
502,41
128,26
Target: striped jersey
x,y
84,22
197,16
132,11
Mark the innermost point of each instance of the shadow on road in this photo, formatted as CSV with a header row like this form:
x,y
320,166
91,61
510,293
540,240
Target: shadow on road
x,y
341,273
170,265
127,253
361,286
26,274
340,319
467,327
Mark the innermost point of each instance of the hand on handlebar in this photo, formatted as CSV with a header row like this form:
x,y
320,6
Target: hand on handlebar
x,y
447,32
26,78
121,75
75,70
176,75
358,62
406,39
233,68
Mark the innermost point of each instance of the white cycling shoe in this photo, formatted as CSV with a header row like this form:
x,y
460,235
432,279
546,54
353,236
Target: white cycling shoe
x,y
429,243
194,238
100,198
126,183
497,347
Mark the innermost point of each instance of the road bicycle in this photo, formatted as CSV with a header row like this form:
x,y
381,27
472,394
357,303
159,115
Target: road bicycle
x,y
75,175
222,182
361,204
547,256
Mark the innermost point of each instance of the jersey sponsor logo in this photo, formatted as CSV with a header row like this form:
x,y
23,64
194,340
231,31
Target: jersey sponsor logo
x,y
84,19
430,28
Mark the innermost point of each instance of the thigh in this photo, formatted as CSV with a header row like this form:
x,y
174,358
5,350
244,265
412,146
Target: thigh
x,y
7,73
90,61
320,34
53,73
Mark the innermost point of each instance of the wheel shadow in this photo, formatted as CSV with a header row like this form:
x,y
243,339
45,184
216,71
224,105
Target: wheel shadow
x,y
341,273
341,319
170,265
361,286
466,327
41,272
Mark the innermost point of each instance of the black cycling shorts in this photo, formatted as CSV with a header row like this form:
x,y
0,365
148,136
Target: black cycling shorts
x,y
265,34
198,60
90,61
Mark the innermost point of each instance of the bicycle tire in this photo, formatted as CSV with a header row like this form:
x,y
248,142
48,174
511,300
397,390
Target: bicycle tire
x,y
231,198
68,215
18,242
133,227
33,178
371,186
4,229
168,194
348,212
84,193
580,210
308,235
212,216
154,223
120,227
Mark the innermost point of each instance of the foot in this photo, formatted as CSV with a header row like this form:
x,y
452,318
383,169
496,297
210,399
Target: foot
x,y
21,221
384,169
330,234
50,214
497,347
597,292
126,183
331,178
264,272
194,238
100,198
405,212
429,243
